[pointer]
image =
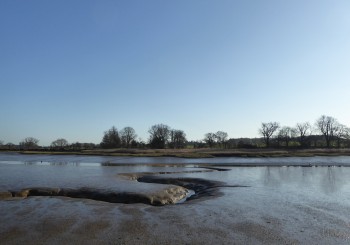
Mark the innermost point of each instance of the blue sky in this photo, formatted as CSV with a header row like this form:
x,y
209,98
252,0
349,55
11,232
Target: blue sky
x,y
73,69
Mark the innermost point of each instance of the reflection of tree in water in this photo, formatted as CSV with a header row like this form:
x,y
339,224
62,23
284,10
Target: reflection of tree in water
x,y
306,175
106,164
333,180
269,178
328,180
285,174
60,163
30,162
64,163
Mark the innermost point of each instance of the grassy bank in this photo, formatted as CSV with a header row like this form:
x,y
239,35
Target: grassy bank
x,y
201,153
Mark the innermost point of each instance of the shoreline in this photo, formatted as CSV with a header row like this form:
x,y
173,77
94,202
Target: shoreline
x,y
196,153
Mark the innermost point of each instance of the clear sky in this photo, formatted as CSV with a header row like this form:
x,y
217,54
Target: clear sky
x,y
73,69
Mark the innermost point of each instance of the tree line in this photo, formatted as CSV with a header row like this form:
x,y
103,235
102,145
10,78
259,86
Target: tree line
x,y
326,132
160,136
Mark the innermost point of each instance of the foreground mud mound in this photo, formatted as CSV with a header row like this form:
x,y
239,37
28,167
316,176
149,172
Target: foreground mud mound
x,y
202,188
170,195
176,190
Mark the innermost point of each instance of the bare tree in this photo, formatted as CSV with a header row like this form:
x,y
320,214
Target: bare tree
x,y
59,144
286,134
29,143
10,146
342,132
111,138
303,130
88,146
77,146
140,143
210,139
221,138
159,136
267,130
177,139
347,137
328,126
127,135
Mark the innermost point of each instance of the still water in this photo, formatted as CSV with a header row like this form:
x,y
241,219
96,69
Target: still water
x,y
235,161
23,171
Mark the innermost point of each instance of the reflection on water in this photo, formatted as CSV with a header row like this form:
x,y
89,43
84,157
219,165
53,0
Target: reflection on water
x,y
334,180
72,171
110,160
28,163
269,179
328,179
54,163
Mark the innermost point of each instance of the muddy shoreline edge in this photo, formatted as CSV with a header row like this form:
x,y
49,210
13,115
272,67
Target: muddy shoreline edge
x,y
198,153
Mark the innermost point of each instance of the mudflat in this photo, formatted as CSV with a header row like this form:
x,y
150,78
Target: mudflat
x,y
228,205
244,220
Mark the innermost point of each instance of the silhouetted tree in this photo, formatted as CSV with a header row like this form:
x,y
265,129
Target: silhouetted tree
x,y
127,135
197,144
303,130
177,139
29,143
267,130
134,144
328,126
10,146
231,143
210,139
141,143
342,132
246,143
88,146
221,138
159,135
111,139
286,134
59,144
76,146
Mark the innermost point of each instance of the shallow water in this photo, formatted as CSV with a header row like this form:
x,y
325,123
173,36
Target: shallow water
x,y
23,171
245,161
282,205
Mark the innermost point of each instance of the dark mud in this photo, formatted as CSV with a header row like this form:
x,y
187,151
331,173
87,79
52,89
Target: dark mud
x,y
202,188
177,191
168,196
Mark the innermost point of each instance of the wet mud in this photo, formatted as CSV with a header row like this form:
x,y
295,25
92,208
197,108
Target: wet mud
x,y
168,196
177,190
283,205
202,188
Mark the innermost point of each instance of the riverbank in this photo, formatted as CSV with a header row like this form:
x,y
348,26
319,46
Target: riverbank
x,y
200,153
